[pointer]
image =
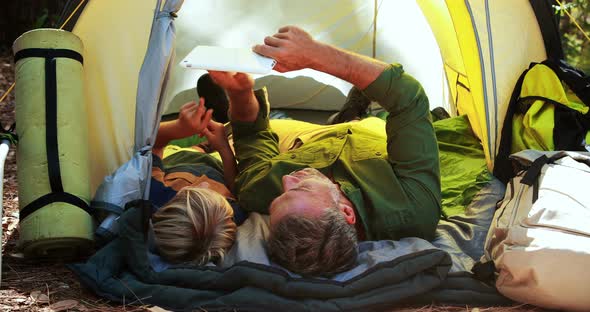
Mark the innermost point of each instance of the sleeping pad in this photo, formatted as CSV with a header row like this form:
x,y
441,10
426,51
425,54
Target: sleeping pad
x,y
411,271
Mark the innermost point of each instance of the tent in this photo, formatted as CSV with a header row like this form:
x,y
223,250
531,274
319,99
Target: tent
x,y
467,54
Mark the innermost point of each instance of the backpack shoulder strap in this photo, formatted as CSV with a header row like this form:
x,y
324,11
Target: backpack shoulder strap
x,y
576,79
502,165
570,126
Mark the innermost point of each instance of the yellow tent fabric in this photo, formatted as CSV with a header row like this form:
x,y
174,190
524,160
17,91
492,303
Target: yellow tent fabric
x,y
468,55
115,36
485,45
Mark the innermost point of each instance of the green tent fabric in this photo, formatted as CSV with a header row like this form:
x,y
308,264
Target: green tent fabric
x,y
462,162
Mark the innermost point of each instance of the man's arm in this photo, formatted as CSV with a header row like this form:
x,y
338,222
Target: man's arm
x,y
411,142
412,149
295,49
398,93
254,142
243,105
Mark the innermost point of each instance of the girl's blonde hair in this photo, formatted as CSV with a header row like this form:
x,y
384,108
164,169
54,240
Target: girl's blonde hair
x,y
196,226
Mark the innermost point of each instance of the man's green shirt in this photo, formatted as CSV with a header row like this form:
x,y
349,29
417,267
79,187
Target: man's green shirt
x,y
390,173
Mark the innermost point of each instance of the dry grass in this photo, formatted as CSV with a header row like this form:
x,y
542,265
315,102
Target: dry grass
x,y
45,286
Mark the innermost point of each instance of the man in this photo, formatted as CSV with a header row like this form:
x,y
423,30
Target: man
x,y
371,181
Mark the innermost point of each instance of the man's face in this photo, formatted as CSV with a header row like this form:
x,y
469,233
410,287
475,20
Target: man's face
x,y
307,192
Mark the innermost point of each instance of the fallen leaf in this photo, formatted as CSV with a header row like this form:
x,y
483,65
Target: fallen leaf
x,y
157,309
63,305
17,255
43,299
82,308
39,297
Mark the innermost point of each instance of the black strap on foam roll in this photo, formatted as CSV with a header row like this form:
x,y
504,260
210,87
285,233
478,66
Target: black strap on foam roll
x,y
48,53
51,142
53,198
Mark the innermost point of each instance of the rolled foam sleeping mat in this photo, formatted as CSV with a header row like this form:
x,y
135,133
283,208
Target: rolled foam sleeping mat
x,y
52,153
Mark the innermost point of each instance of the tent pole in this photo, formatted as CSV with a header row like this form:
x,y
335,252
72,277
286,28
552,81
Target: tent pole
x,y
4,147
375,11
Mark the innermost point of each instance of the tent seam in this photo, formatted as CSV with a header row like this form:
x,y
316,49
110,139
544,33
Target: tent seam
x,y
482,64
493,70
455,70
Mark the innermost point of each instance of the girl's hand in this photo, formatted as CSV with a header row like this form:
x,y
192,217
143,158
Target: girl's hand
x,y
215,133
193,118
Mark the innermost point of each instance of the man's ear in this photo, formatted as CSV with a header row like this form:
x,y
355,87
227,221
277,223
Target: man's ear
x,y
348,213
289,182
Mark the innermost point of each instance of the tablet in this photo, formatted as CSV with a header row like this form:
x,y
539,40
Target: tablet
x,y
228,59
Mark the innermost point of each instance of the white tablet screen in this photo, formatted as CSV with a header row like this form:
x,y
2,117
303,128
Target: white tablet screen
x,y
228,59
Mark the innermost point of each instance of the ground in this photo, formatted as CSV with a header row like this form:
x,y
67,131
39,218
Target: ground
x,y
49,286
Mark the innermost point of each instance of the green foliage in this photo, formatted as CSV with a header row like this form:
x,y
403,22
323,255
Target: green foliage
x,y
576,46
46,20
42,19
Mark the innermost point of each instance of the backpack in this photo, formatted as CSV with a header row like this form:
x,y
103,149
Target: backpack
x,y
537,250
548,111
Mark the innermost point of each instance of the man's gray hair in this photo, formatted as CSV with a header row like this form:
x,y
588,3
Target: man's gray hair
x,y
320,247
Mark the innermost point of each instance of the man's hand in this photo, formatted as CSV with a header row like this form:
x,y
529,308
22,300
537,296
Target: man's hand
x,y
193,118
294,49
291,47
243,105
232,82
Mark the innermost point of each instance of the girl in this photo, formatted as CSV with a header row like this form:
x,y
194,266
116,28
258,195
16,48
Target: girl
x,y
196,223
